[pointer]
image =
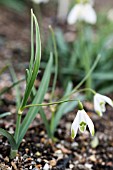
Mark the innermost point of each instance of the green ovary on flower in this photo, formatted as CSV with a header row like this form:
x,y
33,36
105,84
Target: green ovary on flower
x,y
82,1
82,126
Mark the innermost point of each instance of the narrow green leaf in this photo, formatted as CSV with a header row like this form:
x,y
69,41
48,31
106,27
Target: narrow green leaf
x,y
5,114
33,73
14,77
3,69
32,42
103,75
9,137
61,109
38,99
56,62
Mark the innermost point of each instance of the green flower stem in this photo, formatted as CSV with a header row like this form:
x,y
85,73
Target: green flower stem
x,y
84,79
3,69
52,123
86,59
87,89
87,68
56,62
17,126
88,74
47,104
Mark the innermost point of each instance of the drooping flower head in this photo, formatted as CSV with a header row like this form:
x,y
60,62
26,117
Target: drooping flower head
x,y
80,122
82,12
99,103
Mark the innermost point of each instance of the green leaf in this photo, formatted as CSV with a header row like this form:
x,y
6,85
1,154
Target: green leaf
x,y
15,79
103,75
38,99
5,114
32,73
9,137
60,110
3,69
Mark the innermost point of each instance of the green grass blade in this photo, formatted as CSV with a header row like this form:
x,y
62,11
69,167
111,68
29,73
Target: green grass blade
x,y
3,69
9,137
32,42
61,109
38,99
32,76
56,62
5,114
18,95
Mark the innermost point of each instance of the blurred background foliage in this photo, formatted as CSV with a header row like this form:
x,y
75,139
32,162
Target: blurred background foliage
x,y
18,5
97,40
74,42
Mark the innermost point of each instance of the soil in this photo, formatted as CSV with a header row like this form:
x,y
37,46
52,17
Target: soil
x,y
37,151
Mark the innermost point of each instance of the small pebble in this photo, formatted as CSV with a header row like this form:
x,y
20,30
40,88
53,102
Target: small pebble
x,y
71,166
6,159
38,154
52,162
39,160
74,145
27,150
14,165
89,166
46,167
92,158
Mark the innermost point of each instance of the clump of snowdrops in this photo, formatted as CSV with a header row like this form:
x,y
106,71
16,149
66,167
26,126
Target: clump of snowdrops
x,y
81,120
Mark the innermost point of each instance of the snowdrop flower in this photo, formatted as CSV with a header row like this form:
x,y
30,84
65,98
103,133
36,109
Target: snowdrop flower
x,y
40,1
82,12
99,103
81,121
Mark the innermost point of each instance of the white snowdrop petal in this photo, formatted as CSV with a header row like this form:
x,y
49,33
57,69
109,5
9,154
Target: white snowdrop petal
x,y
97,106
107,100
89,14
82,12
74,126
100,101
81,121
90,124
74,14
